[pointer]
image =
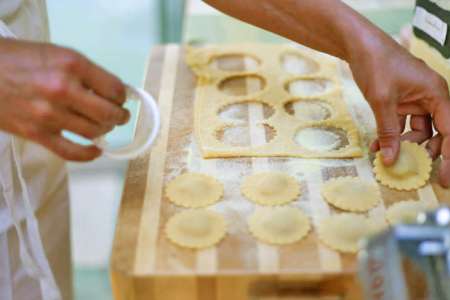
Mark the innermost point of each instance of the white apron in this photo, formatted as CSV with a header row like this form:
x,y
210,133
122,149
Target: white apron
x,y
34,200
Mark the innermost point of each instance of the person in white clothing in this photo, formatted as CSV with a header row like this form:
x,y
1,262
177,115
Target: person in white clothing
x,y
45,89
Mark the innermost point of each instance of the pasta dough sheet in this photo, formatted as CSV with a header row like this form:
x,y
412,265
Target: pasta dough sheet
x,y
320,125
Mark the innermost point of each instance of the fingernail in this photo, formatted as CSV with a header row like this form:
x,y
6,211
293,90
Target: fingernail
x,y
430,153
119,94
444,178
444,182
387,154
126,117
373,147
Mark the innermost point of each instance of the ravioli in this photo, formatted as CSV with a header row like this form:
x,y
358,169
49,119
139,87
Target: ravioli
x,y
280,225
270,188
194,190
343,232
411,170
196,228
406,211
351,194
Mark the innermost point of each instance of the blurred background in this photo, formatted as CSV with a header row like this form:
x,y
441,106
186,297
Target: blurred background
x,y
119,34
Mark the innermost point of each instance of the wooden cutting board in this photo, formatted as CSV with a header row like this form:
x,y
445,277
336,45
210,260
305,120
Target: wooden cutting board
x,y
145,265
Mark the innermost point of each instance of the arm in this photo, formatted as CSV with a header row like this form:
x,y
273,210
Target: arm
x,y
45,89
394,83
324,25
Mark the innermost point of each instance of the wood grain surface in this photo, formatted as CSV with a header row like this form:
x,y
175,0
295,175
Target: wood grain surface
x,y
145,265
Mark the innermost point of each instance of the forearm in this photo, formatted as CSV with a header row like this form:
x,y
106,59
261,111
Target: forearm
x,y
328,26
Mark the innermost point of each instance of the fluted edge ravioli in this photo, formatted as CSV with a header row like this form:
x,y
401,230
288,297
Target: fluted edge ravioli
x,y
270,188
194,190
279,225
411,156
196,229
343,232
351,193
406,211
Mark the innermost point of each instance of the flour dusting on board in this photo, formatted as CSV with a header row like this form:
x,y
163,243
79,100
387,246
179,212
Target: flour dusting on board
x,y
310,173
231,171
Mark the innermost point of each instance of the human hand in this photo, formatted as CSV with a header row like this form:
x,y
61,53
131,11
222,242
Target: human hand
x,y
398,85
45,89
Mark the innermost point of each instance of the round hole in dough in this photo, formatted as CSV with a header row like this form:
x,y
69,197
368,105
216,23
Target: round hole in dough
x,y
406,211
343,232
240,111
270,188
240,85
351,193
279,225
297,64
321,139
411,170
235,62
194,190
309,110
196,228
308,87
239,135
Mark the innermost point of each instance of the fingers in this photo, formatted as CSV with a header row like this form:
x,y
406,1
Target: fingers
x,y
96,108
57,118
441,114
411,109
434,146
102,83
375,146
62,89
75,123
388,129
69,150
421,129
444,171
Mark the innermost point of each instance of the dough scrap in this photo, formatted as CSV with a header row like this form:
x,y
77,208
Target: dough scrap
x,y
411,170
270,188
351,193
276,87
194,190
196,228
279,225
343,232
406,211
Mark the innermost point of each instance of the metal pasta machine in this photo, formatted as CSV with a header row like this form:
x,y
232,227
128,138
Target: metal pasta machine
x,y
409,261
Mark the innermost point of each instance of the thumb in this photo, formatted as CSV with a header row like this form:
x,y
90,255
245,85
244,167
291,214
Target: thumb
x,y
388,129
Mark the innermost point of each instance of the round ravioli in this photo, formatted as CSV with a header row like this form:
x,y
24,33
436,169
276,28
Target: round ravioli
x,y
406,211
343,232
411,170
196,228
279,225
351,193
270,188
194,190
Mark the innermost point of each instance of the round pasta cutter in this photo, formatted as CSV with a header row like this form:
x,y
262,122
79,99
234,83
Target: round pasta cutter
x,y
146,128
